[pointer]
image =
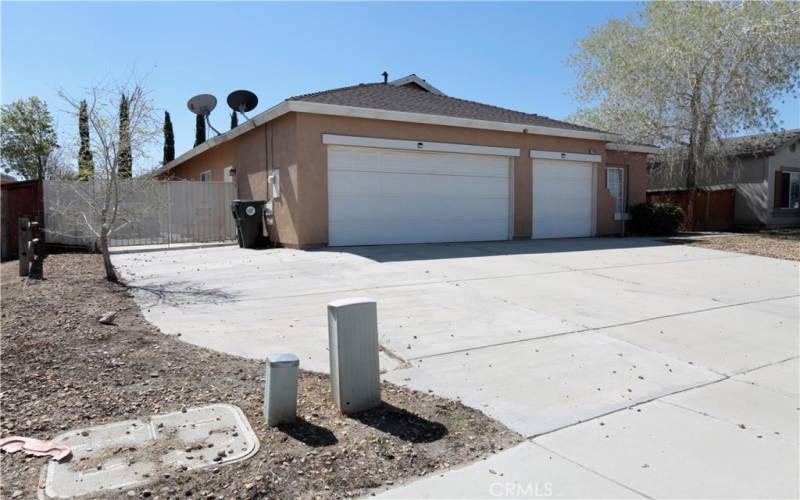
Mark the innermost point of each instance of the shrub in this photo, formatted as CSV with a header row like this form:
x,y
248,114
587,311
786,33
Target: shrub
x,y
656,219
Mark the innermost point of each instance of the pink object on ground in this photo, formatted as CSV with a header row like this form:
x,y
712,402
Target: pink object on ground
x,y
37,447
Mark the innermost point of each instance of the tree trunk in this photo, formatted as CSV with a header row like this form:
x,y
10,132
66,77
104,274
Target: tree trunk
x,y
111,273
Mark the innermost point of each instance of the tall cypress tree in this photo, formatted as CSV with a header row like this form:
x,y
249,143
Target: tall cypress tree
x,y
85,160
124,155
169,139
234,120
199,130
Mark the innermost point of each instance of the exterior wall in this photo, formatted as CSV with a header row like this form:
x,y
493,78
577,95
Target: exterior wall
x,y
784,160
214,159
636,179
292,145
313,181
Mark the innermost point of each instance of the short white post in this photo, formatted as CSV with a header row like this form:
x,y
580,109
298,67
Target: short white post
x,y
280,389
353,342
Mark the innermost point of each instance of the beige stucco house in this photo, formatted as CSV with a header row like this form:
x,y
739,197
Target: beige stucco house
x,y
401,162
764,169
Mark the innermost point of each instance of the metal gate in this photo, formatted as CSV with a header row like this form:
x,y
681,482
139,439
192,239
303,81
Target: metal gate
x,y
150,212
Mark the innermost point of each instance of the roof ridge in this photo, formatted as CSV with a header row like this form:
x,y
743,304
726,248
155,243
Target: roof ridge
x,y
323,92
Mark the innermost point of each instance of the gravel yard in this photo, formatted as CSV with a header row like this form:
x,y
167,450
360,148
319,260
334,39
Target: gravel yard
x,y
777,243
62,370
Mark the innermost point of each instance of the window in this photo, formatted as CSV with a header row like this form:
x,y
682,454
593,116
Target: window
x,y
227,174
205,176
790,190
615,183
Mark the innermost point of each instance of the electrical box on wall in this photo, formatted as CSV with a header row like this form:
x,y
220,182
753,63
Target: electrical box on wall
x,y
274,180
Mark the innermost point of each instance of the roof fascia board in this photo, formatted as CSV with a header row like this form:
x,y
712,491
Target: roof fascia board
x,y
632,148
380,114
557,155
419,81
404,116
439,147
258,120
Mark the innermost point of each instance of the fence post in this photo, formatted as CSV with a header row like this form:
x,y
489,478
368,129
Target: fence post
x,y
24,237
169,216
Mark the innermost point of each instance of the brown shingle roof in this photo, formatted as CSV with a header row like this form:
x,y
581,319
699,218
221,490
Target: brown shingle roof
x,y
414,100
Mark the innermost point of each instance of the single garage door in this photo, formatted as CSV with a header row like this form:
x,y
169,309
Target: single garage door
x,y
383,196
562,198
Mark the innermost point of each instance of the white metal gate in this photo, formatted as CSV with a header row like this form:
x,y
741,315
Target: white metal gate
x,y
150,212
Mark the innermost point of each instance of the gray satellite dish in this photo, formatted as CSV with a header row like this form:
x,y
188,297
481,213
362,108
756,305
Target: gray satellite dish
x,y
202,104
242,101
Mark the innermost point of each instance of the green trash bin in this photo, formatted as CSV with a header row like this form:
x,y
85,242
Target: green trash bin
x,y
248,214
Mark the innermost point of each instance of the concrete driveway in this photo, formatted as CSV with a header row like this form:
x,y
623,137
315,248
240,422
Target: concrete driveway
x,y
635,368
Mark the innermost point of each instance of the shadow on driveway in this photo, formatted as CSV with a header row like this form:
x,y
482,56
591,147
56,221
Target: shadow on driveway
x,y
434,251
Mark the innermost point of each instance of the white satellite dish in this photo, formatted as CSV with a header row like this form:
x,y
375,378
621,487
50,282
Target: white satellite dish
x,y
202,104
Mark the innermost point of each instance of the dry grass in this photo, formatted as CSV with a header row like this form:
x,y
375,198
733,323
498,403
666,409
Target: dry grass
x,y
776,243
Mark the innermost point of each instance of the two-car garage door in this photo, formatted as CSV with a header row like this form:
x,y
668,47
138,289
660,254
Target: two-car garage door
x,y
384,196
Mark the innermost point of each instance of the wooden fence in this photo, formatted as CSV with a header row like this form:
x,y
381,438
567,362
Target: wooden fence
x,y
19,199
151,212
713,209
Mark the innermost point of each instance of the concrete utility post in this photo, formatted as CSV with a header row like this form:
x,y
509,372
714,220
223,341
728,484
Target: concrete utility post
x,y
280,389
353,338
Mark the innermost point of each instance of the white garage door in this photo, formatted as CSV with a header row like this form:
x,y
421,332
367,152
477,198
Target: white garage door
x,y
562,198
382,196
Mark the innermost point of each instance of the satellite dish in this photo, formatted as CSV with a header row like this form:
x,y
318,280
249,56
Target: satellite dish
x,y
202,104
242,101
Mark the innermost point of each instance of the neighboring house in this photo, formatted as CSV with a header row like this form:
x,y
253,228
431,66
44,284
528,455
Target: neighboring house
x,y
401,162
765,171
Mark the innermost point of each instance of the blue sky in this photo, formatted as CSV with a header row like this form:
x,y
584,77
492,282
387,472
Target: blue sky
x,y
506,54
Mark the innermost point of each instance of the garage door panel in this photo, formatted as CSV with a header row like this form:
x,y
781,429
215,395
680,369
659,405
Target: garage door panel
x,y
384,196
346,159
395,210
353,183
562,199
408,232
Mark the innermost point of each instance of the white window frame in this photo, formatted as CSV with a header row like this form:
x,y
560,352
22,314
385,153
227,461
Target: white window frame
x,y
792,203
619,207
206,176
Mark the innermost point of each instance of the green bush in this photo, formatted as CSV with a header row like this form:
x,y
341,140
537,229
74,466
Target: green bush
x,y
656,219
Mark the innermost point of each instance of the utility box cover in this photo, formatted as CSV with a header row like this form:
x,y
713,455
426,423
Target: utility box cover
x,y
353,343
114,457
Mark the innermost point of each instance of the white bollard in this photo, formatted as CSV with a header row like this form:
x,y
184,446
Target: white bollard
x,y
280,389
353,342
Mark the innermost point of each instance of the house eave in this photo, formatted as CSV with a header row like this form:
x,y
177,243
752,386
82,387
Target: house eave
x,y
381,114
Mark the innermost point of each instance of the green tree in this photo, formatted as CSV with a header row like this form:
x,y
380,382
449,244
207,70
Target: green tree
x,y
234,120
27,138
690,73
169,139
125,157
85,161
199,130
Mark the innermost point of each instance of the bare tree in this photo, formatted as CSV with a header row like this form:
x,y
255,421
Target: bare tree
x,y
99,201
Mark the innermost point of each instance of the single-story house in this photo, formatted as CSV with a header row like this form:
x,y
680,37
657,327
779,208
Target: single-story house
x,y
401,162
764,169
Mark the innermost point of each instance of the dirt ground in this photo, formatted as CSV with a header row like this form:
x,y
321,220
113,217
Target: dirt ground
x,y
777,243
62,370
